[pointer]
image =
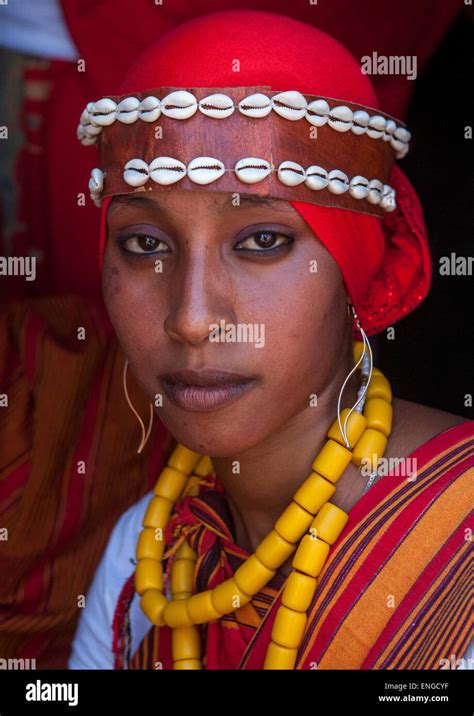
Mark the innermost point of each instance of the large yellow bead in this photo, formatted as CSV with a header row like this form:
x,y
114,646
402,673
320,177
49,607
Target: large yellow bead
x,y
293,522
357,348
185,643
329,523
183,459
181,595
298,591
149,546
185,551
170,484
204,467
310,555
201,608
332,460
370,447
354,428
288,627
314,492
182,574
379,415
192,486
153,604
279,657
148,575
274,550
379,387
188,664
252,575
227,597
158,512
176,614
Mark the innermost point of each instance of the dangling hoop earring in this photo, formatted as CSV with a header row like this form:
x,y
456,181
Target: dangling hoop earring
x,y
145,433
366,358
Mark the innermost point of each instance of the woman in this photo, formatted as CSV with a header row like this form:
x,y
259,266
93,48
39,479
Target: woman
x,y
247,238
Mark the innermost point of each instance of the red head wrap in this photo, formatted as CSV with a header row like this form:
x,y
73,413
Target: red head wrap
x,y
385,262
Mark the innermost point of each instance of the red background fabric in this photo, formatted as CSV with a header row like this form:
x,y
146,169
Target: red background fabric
x,y
109,35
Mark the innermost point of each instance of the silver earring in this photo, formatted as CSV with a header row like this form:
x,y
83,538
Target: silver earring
x,y
145,433
366,359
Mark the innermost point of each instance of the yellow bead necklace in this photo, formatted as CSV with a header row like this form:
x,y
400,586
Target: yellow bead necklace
x,y
308,526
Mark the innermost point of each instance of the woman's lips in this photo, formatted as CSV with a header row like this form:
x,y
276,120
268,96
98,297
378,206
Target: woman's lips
x,y
208,391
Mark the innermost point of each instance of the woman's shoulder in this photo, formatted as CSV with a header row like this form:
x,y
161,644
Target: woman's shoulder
x,y
415,425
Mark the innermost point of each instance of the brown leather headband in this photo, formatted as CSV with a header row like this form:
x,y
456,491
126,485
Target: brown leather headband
x,y
345,163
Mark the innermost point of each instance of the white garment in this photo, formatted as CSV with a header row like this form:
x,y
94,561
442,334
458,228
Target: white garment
x,y
36,27
92,646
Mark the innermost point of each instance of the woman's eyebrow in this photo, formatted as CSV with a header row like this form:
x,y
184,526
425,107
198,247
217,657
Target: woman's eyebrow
x,y
135,200
229,202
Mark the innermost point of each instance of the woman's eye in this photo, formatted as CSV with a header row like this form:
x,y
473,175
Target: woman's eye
x,y
143,244
264,242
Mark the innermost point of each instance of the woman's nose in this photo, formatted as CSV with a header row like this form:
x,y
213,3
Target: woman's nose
x,y
200,297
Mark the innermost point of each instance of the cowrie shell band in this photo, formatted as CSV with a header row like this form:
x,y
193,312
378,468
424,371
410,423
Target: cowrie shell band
x,y
249,170
290,105
280,144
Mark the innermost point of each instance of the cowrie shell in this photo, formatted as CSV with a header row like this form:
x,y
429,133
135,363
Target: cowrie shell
x,y
360,122
291,173
316,178
92,130
290,105
359,187
255,105
388,198
85,117
399,141
127,110
376,126
251,170
166,170
179,105
340,118
400,154
204,170
96,181
149,109
88,112
317,112
136,172
338,182
84,139
402,134
375,191
399,146
102,112
389,130
217,105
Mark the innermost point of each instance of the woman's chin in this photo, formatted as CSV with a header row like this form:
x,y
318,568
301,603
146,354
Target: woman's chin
x,y
219,440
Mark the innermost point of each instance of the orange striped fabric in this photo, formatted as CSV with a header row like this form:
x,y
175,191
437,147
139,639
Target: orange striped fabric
x,y
68,468
394,593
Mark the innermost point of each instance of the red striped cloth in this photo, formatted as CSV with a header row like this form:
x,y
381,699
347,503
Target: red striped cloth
x,y
394,593
68,468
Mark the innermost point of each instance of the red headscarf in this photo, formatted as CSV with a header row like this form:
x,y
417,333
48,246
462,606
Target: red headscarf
x,y
385,263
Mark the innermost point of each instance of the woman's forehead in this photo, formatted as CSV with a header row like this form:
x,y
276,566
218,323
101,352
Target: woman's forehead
x,y
217,201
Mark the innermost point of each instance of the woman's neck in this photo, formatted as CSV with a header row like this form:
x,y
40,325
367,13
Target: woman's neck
x,y
260,482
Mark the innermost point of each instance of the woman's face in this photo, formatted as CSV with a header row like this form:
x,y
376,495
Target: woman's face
x,y
180,265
